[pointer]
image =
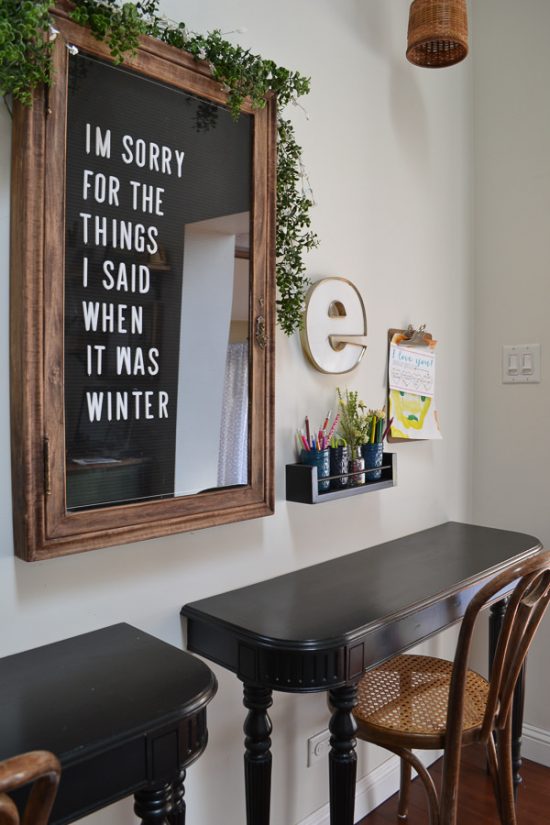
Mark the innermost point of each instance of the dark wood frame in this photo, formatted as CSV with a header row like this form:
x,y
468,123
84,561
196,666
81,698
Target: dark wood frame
x,y
42,526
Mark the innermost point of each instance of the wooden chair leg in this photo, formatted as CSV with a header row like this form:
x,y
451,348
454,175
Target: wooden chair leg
x,y
404,787
492,764
506,775
431,793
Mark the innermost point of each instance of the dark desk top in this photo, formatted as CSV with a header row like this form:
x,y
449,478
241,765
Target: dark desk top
x,y
79,696
385,597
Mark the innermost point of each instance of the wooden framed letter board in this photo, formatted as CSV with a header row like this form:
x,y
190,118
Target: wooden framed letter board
x,y
142,267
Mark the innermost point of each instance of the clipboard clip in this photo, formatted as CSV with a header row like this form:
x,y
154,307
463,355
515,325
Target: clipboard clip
x,y
416,337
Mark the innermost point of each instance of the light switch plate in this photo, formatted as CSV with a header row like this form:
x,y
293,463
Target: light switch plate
x,y
521,364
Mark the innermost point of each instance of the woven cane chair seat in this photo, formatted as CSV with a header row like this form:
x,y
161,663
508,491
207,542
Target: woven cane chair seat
x,y
409,695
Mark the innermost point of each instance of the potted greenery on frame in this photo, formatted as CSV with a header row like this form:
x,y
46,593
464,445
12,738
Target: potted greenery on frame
x,y
27,34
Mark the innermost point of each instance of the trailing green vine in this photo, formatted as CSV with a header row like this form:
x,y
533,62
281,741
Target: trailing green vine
x,y
26,35
25,47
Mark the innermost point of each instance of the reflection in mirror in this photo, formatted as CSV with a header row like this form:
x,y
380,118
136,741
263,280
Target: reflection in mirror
x,y
157,287
212,429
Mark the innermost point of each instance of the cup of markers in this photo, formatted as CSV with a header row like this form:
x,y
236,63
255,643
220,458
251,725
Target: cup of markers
x,y
319,459
339,463
373,455
314,449
373,451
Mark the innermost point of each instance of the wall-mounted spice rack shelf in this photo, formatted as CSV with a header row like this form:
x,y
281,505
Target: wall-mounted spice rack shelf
x,y
302,483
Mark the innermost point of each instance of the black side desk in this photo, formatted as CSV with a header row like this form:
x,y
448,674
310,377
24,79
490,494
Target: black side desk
x,y
124,713
320,628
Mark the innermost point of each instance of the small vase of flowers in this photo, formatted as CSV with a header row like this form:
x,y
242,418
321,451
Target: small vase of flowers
x,y
363,429
353,428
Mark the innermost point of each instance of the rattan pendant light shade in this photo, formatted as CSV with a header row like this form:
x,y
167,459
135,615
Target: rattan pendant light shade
x,y
438,33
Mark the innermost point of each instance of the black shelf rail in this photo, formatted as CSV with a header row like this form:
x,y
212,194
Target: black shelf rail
x,y
302,483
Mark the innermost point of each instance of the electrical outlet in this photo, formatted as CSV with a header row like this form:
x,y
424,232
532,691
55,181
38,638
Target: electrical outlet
x,y
318,747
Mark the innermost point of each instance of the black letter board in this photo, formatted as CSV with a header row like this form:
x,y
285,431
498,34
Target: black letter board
x,y
143,160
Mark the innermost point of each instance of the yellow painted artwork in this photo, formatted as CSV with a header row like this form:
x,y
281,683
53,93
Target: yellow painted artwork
x,y
414,416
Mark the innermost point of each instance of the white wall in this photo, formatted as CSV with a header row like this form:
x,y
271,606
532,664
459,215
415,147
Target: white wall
x,y
388,149
512,293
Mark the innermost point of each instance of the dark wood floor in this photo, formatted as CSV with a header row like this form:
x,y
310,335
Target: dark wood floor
x,y
476,800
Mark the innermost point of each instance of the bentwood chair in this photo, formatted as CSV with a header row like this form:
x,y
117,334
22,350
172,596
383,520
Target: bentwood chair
x,y
428,703
38,767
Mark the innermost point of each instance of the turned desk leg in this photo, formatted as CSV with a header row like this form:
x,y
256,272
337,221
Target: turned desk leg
x,y
342,756
257,757
177,814
161,803
496,618
153,804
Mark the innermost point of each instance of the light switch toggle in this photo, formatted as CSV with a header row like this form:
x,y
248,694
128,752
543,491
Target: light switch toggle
x,y
521,364
527,363
513,364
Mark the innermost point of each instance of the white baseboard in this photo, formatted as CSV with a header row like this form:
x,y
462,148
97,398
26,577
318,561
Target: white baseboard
x,y
372,789
535,745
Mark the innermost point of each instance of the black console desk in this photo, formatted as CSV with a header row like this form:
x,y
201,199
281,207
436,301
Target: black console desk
x,y
124,713
320,628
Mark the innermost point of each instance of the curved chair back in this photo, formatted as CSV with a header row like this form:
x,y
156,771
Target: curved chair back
x,y
38,767
526,607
